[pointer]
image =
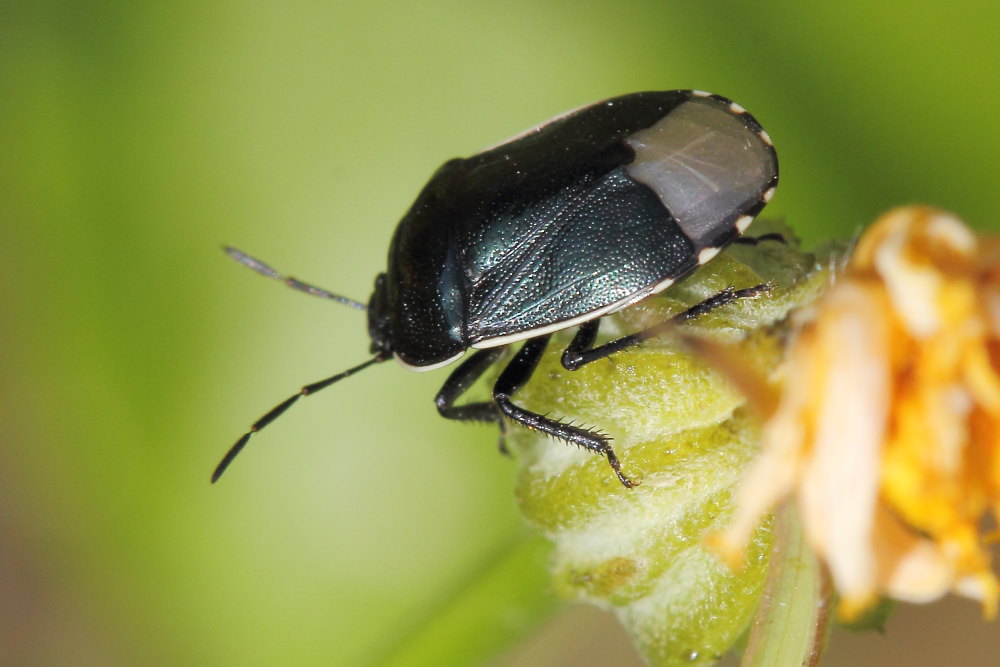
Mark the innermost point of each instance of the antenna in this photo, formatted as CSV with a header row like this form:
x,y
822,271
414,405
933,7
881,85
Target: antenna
x,y
265,270
279,409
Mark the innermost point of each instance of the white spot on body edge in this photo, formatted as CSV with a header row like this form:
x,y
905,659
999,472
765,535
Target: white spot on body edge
x,y
743,222
765,137
767,195
736,108
707,253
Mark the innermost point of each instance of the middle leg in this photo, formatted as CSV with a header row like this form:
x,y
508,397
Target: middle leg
x,y
515,375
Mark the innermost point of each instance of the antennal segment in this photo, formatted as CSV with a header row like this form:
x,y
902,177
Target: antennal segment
x,y
279,409
265,270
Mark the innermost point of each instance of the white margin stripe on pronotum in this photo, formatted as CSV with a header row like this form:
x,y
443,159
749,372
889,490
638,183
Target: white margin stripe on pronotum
x,y
431,367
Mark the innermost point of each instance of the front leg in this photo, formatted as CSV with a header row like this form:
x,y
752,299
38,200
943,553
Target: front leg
x,y
459,382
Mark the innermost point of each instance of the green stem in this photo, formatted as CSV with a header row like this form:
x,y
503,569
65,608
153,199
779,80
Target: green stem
x,y
791,624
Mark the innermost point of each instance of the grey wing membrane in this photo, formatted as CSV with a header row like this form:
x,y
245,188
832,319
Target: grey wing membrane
x,y
582,250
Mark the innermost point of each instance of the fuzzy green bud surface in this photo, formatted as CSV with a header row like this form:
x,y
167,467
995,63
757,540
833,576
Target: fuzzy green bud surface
x,y
685,434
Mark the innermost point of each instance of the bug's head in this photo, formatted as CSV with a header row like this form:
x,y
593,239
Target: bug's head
x,y
378,320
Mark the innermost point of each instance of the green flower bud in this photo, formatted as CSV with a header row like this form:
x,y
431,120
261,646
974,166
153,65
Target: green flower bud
x,y
686,435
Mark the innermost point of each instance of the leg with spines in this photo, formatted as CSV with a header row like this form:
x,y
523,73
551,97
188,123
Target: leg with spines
x,y
515,375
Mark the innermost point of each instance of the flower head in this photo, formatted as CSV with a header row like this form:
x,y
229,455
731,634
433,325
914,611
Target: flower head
x,y
885,425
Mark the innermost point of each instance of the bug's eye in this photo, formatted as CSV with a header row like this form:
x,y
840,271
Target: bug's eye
x,y
704,163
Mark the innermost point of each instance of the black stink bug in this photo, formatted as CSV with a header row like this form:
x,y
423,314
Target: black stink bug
x,y
576,218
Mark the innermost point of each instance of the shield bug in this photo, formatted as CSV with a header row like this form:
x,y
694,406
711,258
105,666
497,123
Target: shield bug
x,y
579,217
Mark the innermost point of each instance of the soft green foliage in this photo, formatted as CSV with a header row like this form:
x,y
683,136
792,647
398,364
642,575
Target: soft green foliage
x,y
453,630
685,434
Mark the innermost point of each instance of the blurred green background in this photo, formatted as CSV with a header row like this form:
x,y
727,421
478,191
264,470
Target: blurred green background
x,y
361,528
